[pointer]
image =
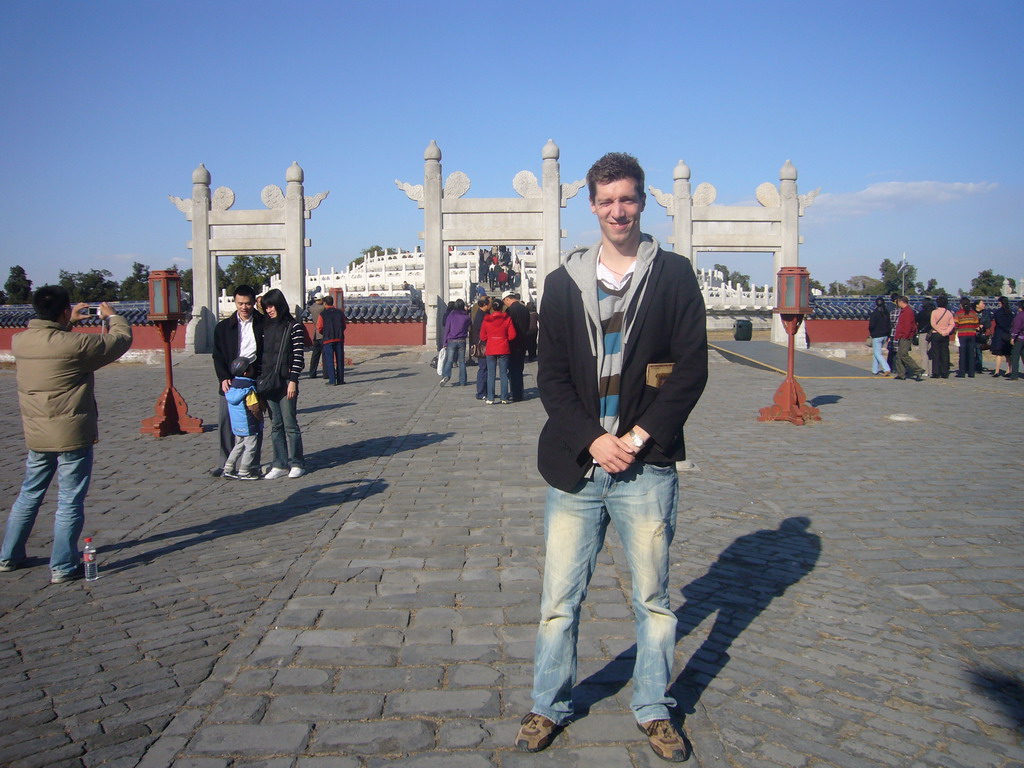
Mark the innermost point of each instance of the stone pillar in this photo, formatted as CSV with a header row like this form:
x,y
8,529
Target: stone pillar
x,y
435,259
682,213
789,254
551,188
293,260
199,336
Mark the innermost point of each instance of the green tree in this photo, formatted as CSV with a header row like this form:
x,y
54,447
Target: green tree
x,y
862,285
135,287
894,281
3,297
933,288
252,270
18,286
988,283
92,286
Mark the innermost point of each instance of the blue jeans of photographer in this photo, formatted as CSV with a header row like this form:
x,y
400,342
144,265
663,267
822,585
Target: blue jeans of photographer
x,y
74,471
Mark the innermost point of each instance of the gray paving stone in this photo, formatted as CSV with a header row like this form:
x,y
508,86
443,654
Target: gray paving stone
x,y
264,739
474,703
382,737
317,707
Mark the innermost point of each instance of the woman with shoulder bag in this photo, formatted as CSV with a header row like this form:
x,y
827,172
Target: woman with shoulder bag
x,y
497,331
279,384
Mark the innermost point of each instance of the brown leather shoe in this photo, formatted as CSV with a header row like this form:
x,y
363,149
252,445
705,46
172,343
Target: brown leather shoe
x,y
666,741
536,733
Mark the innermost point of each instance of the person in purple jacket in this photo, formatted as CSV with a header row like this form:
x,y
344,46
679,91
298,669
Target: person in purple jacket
x,y
456,332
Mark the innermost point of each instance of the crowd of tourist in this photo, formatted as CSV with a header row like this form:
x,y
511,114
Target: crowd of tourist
x,y
894,329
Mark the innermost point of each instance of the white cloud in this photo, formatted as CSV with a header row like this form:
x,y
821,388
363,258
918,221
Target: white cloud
x,y
894,195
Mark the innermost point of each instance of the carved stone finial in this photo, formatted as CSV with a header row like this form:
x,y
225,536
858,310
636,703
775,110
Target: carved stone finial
x,y
183,204
433,151
200,175
456,185
767,194
569,190
705,194
788,172
413,191
665,199
525,184
681,172
805,201
550,151
272,197
294,174
311,203
223,199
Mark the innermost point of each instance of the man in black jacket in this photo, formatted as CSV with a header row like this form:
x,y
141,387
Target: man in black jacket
x,y
240,335
520,317
623,363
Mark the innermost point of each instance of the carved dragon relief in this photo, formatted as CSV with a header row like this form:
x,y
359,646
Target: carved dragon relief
x,y
805,201
705,194
413,191
223,199
665,199
569,190
456,185
311,203
525,184
184,204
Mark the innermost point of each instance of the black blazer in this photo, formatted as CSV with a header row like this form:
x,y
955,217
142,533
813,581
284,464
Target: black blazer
x,y
225,344
669,327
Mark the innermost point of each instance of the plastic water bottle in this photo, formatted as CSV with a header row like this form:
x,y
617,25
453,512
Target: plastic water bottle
x,y
92,568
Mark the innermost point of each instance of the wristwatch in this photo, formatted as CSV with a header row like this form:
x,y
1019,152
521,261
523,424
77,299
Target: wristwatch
x,y
638,442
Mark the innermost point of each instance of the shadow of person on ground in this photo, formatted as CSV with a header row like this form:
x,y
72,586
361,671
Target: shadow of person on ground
x,y
304,500
375,447
1003,689
385,378
820,400
739,585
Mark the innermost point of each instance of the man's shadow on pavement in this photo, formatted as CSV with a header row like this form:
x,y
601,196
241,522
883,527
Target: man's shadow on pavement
x,y
386,445
748,575
306,499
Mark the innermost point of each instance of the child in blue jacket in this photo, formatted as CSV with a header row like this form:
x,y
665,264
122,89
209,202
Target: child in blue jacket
x,y
246,410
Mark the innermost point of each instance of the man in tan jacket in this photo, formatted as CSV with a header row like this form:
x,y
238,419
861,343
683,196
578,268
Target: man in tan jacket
x,y
58,412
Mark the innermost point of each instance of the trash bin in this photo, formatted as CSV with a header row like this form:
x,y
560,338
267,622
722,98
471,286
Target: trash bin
x,y
744,330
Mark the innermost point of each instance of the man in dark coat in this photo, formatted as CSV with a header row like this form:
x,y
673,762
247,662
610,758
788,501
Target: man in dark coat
x,y
240,335
331,325
623,363
520,317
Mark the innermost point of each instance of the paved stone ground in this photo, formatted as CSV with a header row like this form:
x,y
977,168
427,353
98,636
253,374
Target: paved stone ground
x,y
849,593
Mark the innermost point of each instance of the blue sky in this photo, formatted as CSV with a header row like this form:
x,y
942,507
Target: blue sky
x,y
906,114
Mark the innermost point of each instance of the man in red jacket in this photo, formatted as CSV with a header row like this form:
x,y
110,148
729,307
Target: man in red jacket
x,y
623,362
904,334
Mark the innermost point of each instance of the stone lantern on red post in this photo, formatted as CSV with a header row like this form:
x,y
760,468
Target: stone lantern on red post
x,y
171,417
793,297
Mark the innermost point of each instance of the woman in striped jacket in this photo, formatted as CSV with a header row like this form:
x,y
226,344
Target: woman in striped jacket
x,y
283,348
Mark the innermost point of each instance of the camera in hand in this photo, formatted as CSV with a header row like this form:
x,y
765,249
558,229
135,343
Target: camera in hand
x,y
91,311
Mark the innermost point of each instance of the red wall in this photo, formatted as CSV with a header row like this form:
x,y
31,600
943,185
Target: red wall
x,y
143,336
822,331
383,334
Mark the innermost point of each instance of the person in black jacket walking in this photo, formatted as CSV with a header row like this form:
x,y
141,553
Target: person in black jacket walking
x,y
879,329
623,361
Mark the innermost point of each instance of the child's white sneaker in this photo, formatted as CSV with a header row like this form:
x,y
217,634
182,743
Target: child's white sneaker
x,y
296,472
275,473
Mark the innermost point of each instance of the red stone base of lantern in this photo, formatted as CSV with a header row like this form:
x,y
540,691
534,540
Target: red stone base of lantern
x,y
790,402
171,417
171,412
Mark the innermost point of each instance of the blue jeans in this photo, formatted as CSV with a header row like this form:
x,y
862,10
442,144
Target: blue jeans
x,y
334,361
501,363
284,430
73,470
878,361
641,502
456,353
